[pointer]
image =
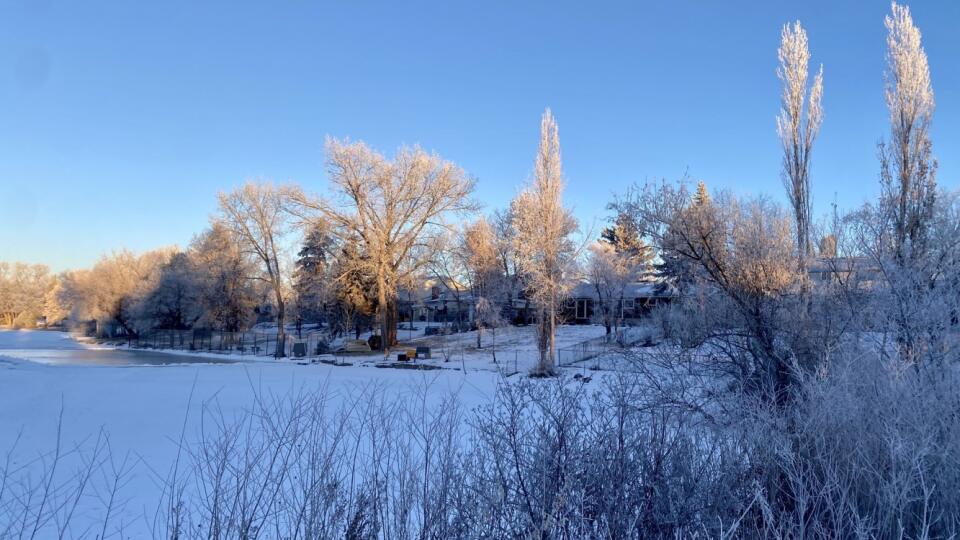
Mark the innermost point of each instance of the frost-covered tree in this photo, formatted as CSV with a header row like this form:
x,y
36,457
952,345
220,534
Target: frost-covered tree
x,y
504,242
448,271
258,214
913,305
175,302
907,167
908,235
393,209
701,197
311,276
738,256
7,309
609,272
625,238
112,292
54,309
797,126
488,283
355,291
671,267
225,271
23,292
828,246
544,249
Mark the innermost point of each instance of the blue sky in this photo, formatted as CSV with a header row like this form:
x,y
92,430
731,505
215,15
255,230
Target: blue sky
x,y
120,121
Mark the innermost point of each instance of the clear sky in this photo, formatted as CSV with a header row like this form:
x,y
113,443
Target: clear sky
x,y
120,121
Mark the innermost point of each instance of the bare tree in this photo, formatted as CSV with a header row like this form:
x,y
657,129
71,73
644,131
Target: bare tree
x,y
225,269
739,257
448,269
544,249
112,292
54,309
175,300
609,273
393,209
797,131
907,168
257,213
23,291
488,282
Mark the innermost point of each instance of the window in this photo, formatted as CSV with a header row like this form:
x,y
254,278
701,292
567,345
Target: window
x,y
627,306
582,309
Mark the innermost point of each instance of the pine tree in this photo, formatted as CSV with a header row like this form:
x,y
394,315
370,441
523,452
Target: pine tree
x,y
702,196
627,241
311,277
672,267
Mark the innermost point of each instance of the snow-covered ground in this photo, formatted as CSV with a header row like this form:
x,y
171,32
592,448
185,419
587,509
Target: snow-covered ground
x,y
144,408
513,346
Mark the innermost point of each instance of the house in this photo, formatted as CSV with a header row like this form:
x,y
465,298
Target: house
x,y
436,302
455,306
860,273
639,298
452,304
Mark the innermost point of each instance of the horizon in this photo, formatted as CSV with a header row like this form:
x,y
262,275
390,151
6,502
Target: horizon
x,y
112,148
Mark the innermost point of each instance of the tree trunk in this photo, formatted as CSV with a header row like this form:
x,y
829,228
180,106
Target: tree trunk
x,y
546,341
384,309
281,350
393,314
543,342
553,334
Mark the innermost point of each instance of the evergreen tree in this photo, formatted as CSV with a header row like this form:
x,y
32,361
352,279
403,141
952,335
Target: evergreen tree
x,y
672,267
625,237
702,196
356,291
311,276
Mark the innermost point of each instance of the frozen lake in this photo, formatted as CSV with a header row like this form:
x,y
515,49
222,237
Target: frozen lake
x,y
54,390
58,348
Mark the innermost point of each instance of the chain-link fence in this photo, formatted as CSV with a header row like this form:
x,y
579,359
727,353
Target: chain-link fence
x,y
508,360
593,349
242,343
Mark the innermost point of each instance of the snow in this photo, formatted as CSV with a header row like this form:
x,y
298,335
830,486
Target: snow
x,y
515,348
144,408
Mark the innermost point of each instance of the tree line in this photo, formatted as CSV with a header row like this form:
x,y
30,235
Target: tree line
x,y
383,228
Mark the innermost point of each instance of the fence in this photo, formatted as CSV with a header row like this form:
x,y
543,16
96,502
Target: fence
x,y
596,347
314,343
242,343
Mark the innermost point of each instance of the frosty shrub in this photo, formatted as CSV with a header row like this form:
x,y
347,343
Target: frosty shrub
x,y
868,450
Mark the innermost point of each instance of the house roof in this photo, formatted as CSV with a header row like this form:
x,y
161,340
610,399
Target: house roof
x,y
842,264
637,289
